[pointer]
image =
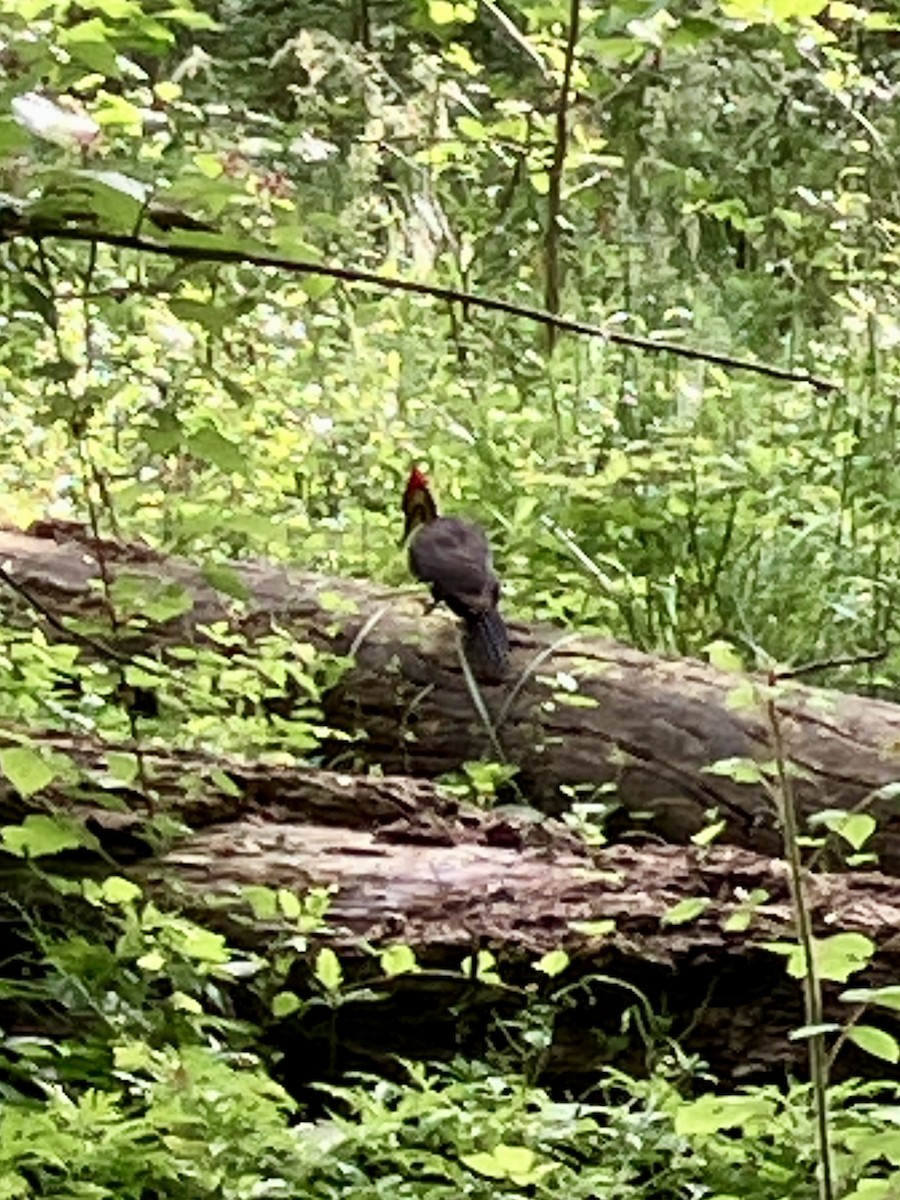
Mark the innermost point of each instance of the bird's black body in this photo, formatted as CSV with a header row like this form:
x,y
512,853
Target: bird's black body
x,y
454,558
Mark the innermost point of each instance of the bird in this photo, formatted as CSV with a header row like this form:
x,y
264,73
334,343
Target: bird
x,y
453,556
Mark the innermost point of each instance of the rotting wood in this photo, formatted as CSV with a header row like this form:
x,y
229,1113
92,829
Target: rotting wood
x,y
727,997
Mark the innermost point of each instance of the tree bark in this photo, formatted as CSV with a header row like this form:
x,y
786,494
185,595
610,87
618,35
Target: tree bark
x,y
575,715
726,997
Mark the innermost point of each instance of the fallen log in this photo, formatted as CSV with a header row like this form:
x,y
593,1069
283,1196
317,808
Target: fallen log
x,y
576,715
726,997
408,864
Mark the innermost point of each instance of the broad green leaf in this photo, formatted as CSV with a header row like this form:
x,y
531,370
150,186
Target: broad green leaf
x,y
837,957
214,448
117,10
117,890
203,945
12,136
840,956
724,657
226,580
875,1042
398,960
39,835
143,596
336,602
122,766
484,964
706,836
886,997
517,1163
182,1002
710,1114
208,316
117,110
26,769
443,12
289,904
594,929
190,18
685,911
89,43
741,770
285,1003
262,900
151,961
328,970
551,964
857,828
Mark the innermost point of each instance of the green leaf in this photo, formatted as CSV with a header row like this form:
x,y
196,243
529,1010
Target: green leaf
x,y
724,657
842,955
185,1003
741,770
151,961
289,904
262,900
398,960
708,835
207,316
40,303
857,828
142,596
336,602
122,766
484,964
551,964
594,929
88,42
214,448
685,910
117,110
190,18
226,580
443,12
117,890
887,996
836,957
12,136
39,835
711,1114
26,769
117,10
328,970
203,945
285,1003
516,1163
875,1042
808,1031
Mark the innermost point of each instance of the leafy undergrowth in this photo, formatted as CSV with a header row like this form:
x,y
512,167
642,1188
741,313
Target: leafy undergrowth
x,y
200,1122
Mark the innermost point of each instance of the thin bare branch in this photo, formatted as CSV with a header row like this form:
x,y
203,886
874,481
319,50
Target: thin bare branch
x,y
209,252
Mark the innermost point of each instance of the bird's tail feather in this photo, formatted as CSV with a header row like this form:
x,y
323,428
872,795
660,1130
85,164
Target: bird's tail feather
x,y
488,643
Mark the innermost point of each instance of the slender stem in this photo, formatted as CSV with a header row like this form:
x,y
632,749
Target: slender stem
x,y
812,988
552,286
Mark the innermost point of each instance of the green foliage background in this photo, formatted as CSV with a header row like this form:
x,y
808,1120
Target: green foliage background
x,y
720,176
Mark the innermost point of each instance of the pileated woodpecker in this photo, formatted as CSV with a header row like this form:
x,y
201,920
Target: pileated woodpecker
x,y
454,557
